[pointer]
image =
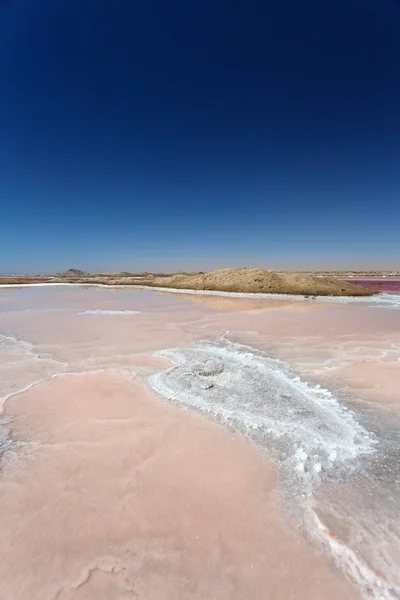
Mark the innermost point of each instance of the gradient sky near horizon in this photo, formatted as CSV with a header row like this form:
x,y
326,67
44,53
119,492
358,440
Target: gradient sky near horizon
x,y
145,134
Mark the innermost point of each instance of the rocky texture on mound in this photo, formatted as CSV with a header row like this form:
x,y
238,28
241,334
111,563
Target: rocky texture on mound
x,y
254,280
72,273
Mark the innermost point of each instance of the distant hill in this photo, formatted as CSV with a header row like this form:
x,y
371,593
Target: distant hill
x,y
72,273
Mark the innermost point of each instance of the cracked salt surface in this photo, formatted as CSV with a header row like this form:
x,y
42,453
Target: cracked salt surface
x,y
314,438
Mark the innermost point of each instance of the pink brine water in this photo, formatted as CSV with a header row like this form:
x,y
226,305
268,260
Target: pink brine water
x,y
167,446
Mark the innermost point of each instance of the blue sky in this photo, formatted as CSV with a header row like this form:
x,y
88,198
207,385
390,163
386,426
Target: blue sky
x,y
178,135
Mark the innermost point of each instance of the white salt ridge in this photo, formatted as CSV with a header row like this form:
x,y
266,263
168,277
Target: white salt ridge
x,y
17,346
23,355
313,436
110,312
255,392
381,300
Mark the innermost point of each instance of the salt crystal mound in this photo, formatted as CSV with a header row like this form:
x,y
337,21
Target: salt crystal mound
x,y
306,427
313,437
110,312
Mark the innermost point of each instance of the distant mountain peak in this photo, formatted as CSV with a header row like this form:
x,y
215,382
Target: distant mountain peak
x,y
72,273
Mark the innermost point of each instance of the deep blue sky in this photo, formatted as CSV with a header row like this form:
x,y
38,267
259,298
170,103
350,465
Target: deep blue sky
x,y
174,134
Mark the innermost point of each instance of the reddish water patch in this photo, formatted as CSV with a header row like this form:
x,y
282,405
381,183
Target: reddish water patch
x,y
381,284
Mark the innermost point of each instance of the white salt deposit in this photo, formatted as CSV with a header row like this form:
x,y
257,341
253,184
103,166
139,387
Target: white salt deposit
x,y
255,393
110,312
314,438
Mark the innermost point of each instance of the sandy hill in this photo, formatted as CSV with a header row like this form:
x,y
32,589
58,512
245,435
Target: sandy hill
x,y
254,280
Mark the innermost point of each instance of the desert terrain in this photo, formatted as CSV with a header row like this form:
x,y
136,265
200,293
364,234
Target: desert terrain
x,y
244,280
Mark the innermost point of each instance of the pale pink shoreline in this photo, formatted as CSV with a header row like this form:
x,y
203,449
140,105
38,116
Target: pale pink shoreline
x,y
102,423
126,495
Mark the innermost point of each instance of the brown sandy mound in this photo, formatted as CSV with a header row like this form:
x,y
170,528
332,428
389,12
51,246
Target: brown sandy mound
x,y
254,280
